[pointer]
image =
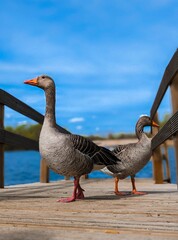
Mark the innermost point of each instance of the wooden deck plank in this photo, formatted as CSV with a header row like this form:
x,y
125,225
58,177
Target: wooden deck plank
x,y
31,211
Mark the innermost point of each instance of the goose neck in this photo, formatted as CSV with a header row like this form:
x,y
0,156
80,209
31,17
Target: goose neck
x,y
50,105
139,130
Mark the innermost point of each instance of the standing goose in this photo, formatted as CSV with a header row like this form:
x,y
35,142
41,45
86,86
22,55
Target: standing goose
x,y
133,156
67,154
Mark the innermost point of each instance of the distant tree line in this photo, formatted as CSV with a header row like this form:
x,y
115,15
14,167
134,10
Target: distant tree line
x,y
29,131
32,131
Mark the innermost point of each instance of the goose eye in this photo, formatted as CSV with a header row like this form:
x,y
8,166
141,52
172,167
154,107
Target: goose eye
x,y
43,77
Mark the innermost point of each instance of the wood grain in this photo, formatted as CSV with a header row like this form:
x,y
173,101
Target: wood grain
x,y
32,212
1,147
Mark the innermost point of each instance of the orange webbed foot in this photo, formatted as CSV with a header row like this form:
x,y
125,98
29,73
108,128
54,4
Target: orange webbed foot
x,y
135,192
120,193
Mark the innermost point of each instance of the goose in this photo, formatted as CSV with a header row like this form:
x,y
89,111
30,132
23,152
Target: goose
x,y
65,153
133,156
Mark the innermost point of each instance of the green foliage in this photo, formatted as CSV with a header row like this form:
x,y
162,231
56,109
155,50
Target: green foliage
x,y
29,131
33,132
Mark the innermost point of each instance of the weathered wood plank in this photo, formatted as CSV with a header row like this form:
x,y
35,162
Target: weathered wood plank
x,y
1,165
19,106
1,148
157,157
168,130
44,172
31,211
166,159
174,95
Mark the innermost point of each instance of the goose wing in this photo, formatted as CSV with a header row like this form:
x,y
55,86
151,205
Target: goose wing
x,y
100,155
119,149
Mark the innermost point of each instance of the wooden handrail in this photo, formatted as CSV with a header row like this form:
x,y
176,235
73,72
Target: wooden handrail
x,y
19,106
169,74
170,79
1,148
168,130
13,139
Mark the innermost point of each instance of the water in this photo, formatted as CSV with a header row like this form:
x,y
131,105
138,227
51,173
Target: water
x,y
24,167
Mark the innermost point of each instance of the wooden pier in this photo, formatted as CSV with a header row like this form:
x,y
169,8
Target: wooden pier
x,y
32,212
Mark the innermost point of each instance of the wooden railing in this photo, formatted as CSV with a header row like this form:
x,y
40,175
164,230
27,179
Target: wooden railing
x,y
7,137
170,129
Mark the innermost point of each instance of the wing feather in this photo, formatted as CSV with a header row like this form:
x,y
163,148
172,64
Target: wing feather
x,y
100,155
119,148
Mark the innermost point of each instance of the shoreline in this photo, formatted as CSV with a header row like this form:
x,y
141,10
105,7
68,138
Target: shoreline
x,y
115,142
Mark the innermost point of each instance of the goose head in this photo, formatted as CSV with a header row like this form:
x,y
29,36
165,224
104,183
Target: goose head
x,y
146,121
42,81
142,122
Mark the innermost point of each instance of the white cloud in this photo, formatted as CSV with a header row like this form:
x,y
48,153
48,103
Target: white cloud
x,y
76,119
79,127
95,70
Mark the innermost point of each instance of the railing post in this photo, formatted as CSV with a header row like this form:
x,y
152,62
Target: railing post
x,y
44,172
174,95
166,158
157,158
1,148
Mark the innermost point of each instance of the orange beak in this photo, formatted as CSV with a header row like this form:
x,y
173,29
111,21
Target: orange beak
x,y
154,124
31,82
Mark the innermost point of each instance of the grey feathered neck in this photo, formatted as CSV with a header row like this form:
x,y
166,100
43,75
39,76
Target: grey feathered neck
x,y
142,122
50,105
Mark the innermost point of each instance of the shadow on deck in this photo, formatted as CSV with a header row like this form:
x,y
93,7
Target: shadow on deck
x,y
31,211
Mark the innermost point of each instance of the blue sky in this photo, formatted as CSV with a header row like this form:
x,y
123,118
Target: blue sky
x,y
106,57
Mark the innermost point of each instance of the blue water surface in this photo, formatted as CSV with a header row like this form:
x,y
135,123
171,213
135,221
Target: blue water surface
x,y
24,167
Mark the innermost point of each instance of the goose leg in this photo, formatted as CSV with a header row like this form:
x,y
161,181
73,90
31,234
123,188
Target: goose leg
x,y
116,189
75,194
80,194
134,190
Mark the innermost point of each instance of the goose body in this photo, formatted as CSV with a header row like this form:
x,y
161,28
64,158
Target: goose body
x,y
61,157
133,156
65,153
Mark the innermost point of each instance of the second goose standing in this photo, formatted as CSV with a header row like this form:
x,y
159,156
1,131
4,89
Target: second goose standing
x,y
133,156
